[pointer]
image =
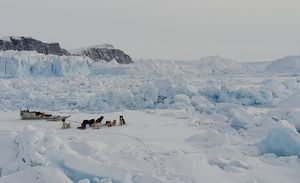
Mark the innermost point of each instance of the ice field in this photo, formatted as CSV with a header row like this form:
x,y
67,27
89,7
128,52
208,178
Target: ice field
x,y
208,120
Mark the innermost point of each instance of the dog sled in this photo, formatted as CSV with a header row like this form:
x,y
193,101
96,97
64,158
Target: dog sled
x,y
36,115
33,115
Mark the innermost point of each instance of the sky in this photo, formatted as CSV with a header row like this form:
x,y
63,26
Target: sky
x,y
244,30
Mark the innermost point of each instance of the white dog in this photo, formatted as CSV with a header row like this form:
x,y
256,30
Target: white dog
x,y
96,125
65,125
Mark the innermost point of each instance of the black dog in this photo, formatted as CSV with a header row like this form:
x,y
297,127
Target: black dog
x,y
99,120
89,122
122,121
85,122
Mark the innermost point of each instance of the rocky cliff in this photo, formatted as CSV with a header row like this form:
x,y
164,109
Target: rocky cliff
x,y
100,52
104,52
30,44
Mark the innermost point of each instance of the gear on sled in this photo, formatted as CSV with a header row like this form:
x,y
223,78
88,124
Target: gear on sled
x,y
36,115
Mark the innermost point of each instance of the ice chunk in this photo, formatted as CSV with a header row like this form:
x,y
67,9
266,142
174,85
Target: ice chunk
x,y
291,115
165,88
282,141
85,180
240,119
201,104
182,98
244,96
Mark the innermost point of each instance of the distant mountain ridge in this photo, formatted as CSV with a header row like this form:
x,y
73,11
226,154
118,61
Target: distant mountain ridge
x,y
289,64
219,65
99,52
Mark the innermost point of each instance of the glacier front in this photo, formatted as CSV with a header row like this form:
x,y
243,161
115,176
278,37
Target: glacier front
x,y
18,64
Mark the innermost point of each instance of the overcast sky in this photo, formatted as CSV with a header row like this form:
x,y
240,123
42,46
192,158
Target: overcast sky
x,y
167,29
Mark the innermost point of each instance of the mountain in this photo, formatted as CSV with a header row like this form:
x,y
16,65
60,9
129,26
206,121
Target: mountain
x,y
219,65
100,52
104,52
30,44
289,64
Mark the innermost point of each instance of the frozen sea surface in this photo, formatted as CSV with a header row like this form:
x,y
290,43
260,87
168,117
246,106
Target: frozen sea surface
x,y
211,120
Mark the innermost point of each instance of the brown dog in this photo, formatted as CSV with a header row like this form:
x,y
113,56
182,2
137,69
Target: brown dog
x,y
108,123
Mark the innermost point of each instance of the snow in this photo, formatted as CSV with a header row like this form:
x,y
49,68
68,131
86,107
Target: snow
x,y
37,174
293,101
8,38
291,115
105,45
219,65
287,65
211,120
99,46
240,119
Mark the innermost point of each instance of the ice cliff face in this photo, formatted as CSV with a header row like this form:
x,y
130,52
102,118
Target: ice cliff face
x,y
104,52
30,44
18,64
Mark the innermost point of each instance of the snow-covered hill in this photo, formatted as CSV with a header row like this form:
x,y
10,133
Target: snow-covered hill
x,y
287,65
219,65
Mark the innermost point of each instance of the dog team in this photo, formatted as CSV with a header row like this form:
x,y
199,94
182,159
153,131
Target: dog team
x,y
95,124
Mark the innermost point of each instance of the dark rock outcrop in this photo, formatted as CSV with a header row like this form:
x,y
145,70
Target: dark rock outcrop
x,y
104,52
30,44
101,52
